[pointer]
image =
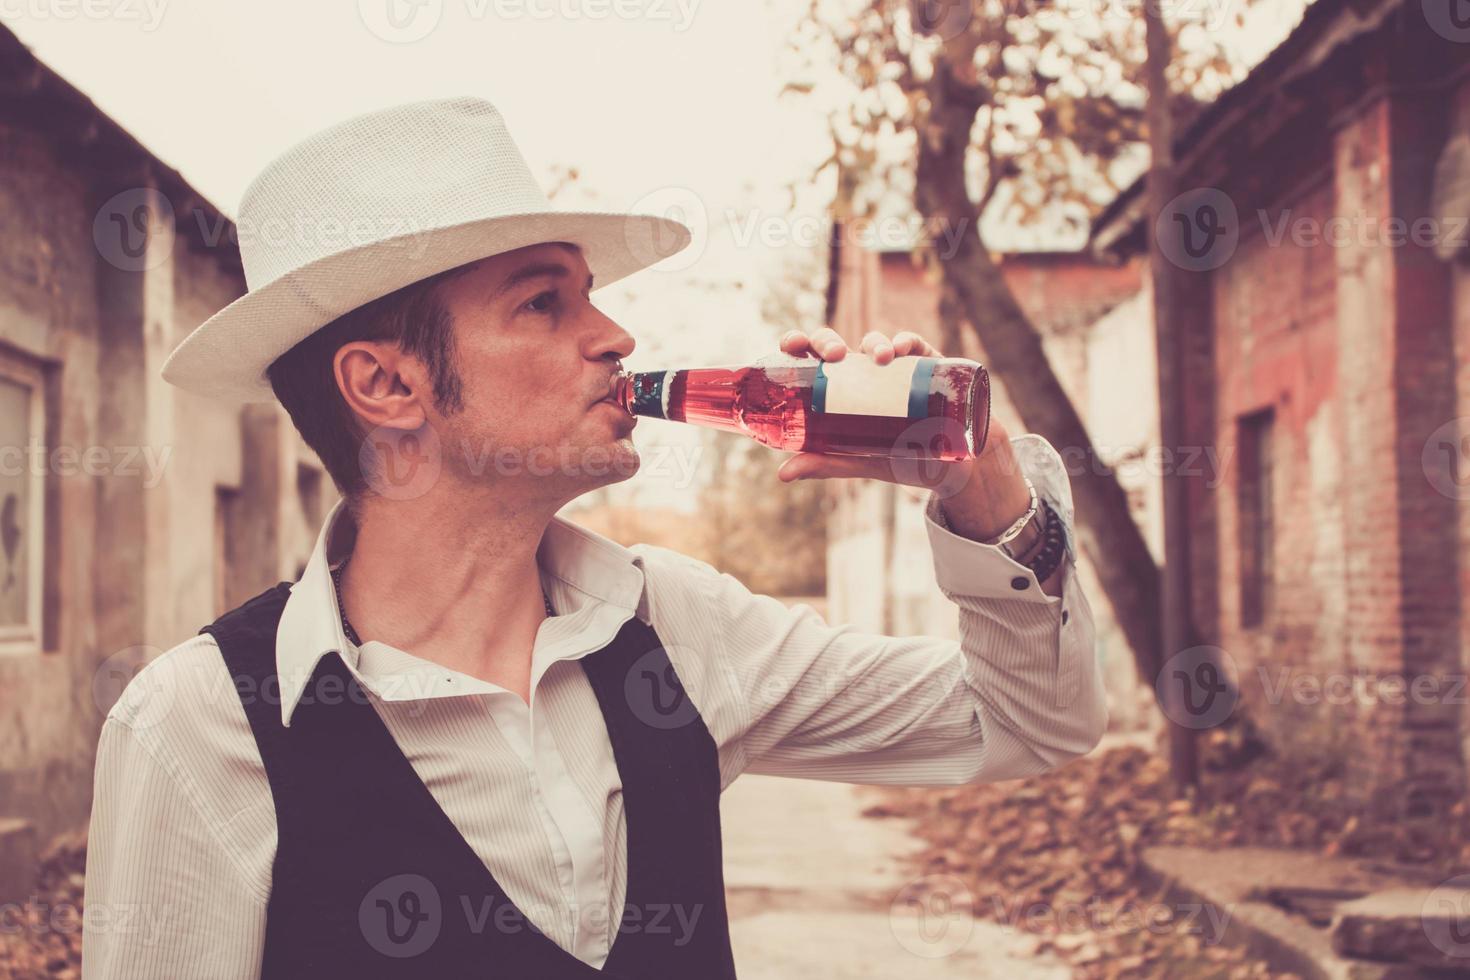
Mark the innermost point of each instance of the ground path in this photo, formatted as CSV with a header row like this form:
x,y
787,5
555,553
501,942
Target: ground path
x,y
812,886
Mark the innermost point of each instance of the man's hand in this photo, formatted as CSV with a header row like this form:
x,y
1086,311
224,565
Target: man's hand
x,y
980,497
953,479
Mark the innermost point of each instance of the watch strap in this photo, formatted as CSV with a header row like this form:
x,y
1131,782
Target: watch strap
x,y
1006,537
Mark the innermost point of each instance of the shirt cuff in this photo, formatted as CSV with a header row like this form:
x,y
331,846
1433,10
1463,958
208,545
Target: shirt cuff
x,y
966,567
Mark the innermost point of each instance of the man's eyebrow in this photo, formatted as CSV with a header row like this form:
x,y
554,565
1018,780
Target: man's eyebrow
x,y
535,271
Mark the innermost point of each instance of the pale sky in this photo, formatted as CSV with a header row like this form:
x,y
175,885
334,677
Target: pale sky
x,y
669,106
685,94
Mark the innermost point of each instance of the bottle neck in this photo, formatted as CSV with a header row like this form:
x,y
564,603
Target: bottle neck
x,y
644,393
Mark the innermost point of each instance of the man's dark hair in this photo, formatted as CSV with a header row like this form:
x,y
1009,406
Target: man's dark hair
x,y
416,320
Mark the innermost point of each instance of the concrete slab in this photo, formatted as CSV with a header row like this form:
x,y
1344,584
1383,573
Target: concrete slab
x,y
817,890
1237,882
860,946
1428,926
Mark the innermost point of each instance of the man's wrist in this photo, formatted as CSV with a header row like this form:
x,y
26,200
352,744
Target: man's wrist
x,y
994,497
1024,544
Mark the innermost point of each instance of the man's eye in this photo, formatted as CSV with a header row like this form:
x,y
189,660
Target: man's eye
x,y
542,302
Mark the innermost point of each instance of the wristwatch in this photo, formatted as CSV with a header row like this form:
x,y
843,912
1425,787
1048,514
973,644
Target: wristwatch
x,y
1006,541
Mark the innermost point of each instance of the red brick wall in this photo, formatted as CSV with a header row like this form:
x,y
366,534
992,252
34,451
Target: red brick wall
x,y
1374,610
1059,292
1064,292
1428,743
1275,347
1350,344
1460,312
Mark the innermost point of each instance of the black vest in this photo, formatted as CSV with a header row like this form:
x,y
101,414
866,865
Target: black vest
x,y
372,879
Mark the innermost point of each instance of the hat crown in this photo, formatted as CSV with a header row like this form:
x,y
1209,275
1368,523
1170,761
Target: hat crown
x,y
385,176
374,204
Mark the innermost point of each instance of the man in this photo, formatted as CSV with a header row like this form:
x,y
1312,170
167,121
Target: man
x,y
475,739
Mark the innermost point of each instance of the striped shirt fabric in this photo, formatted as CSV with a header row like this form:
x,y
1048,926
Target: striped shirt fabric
x,y
183,830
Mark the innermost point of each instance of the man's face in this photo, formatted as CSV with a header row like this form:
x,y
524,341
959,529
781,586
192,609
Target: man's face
x,y
535,357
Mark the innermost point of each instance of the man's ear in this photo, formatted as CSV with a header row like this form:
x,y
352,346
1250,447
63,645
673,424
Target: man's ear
x,y
384,386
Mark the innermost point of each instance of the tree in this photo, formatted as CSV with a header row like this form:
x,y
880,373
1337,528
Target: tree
x,y
969,103
1174,620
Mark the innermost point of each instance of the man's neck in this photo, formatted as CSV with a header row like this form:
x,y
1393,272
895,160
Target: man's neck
x,y
452,583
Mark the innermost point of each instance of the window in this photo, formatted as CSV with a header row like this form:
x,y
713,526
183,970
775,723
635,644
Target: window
x,y
1256,519
22,504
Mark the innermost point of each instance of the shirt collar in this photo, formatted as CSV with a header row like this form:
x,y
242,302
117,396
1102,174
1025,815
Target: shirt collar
x,y
592,566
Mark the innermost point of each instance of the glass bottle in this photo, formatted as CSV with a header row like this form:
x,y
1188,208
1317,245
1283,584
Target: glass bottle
x,y
911,407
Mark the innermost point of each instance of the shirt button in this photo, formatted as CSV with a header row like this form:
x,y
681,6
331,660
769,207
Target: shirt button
x,y
1064,617
1019,583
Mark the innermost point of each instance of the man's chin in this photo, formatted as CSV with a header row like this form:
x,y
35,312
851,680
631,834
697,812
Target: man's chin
x,y
625,460
607,463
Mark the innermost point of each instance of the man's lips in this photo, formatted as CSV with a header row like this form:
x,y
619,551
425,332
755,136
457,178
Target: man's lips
x,y
607,396
613,403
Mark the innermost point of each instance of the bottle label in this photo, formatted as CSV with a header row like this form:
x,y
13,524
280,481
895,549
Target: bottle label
x,y
856,385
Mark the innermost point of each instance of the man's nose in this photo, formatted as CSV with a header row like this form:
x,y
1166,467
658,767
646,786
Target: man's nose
x,y
608,340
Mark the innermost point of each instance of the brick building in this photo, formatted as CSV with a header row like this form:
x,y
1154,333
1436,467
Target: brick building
x,y
1328,357
1098,334
130,512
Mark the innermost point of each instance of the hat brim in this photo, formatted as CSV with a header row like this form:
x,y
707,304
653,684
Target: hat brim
x,y
226,356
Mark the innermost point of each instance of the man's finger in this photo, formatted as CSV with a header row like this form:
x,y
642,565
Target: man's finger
x,y
795,342
906,342
824,466
828,344
877,346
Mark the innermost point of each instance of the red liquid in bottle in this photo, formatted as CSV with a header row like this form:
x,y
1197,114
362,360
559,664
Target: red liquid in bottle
x,y
781,405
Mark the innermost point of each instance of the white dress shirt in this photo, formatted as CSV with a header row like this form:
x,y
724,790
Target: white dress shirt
x,y
183,829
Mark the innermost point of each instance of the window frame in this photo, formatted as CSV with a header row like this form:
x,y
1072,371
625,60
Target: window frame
x,y
29,637
1256,516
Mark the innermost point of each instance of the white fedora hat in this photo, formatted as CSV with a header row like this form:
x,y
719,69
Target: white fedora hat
x,y
373,204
